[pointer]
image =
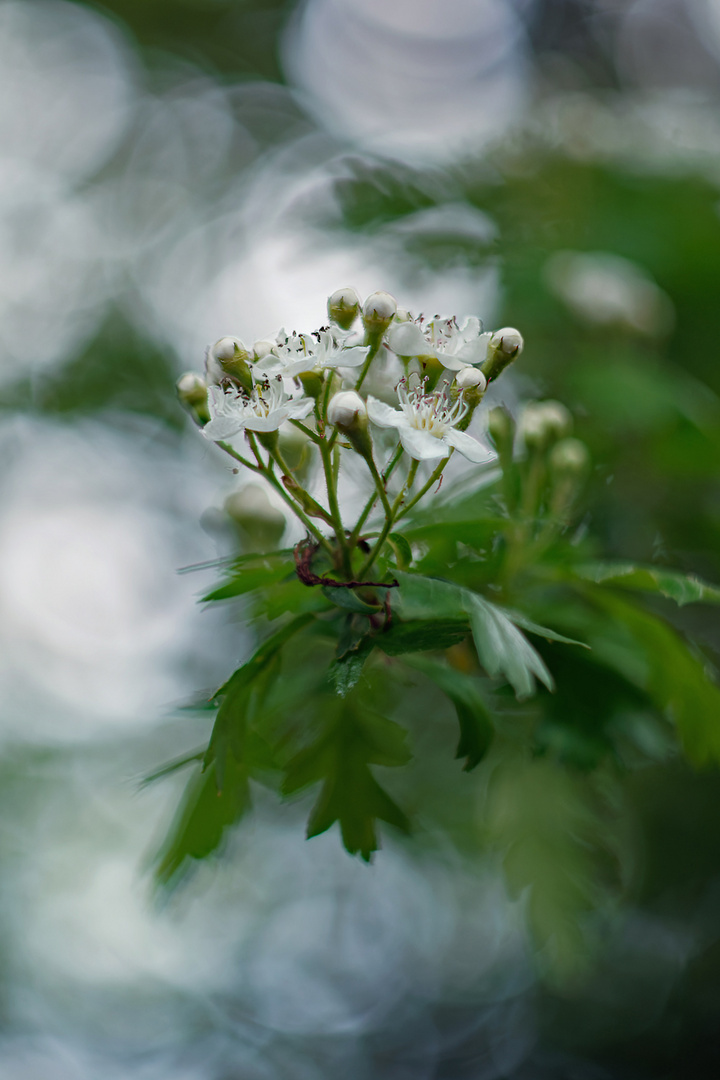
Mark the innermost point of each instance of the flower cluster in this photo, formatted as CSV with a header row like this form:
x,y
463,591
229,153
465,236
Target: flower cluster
x,y
315,382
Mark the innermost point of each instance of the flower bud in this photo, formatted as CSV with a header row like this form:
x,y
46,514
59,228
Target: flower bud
x,y
228,358
262,349
543,423
470,377
504,346
378,312
343,307
569,457
346,409
192,393
260,524
348,413
312,383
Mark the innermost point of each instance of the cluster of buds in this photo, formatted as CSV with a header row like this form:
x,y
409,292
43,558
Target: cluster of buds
x,y
250,393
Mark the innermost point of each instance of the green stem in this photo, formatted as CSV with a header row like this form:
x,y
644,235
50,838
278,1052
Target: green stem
x,y
330,482
272,479
435,475
238,457
306,430
380,486
392,516
386,474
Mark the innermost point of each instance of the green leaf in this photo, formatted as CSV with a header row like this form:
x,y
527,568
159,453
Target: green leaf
x,y
682,588
560,850
171,767
476,726
345,671
349,600
252,572
502,649
207,810
422,635
401,549
542,631
674,677
230,724
340,758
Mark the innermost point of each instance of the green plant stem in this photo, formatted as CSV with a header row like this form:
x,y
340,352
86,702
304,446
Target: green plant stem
x,y
306,430
435,475
238,457
379,485
390,519
386,474
331,484
272,479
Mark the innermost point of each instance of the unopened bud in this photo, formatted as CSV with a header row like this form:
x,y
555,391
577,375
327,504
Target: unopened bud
x,y
343,307
504,346
346,409
192,393
569,457
262,349
228,357
312,383
261,524
470,377
348,413
543,423
378,312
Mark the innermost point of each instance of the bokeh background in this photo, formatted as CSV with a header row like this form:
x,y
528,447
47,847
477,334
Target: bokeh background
x,y
172,171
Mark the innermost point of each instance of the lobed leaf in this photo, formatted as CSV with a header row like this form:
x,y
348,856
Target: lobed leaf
x,y
476,726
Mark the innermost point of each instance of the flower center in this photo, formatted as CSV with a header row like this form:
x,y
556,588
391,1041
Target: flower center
x,y
433,412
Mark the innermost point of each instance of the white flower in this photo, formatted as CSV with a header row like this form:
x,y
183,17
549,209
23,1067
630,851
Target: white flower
x,y
454,346
426,423
299,353
232,410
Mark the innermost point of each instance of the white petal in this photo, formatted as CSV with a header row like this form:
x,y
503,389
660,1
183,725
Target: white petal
x,y
407,339
351,358
421,445
299,408
382,415
468,447
267,423
474,352
222,428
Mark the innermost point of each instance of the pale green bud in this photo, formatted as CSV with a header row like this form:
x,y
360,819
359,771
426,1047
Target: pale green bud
x,y
348,413
260,523
343,307
378,312
569,457
504,346
470,377
543,423
192,394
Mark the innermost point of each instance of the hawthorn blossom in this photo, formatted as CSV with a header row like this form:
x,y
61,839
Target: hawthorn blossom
x,y
296,354
454,346
265,409
426,424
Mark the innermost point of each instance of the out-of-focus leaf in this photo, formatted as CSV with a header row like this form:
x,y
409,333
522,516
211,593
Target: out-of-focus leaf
x,y
207,810
341,757
674,677
260,573
230,724
345,671
172,766
476,726
558,850
682,588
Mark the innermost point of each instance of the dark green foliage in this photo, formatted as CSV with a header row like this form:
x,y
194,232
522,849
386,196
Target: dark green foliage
x,y
351,741
474,717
